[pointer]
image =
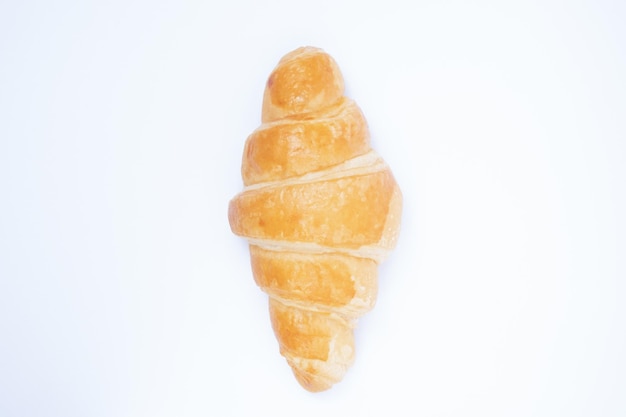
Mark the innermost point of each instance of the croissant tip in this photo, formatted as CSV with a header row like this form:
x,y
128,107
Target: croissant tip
x,y
302,50
310,382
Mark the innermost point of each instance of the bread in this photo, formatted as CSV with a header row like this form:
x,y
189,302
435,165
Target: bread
x,y
320,210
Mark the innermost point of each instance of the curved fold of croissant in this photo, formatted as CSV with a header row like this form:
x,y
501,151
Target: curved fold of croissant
x,y
292,147
320,210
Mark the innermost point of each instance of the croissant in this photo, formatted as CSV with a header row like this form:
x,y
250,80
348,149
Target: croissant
x,y
320,210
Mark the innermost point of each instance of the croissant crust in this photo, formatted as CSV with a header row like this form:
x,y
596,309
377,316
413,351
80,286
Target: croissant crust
x,y
320,210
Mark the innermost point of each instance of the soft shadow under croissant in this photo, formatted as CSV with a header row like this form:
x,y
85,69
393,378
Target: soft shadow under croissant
x,y
320,210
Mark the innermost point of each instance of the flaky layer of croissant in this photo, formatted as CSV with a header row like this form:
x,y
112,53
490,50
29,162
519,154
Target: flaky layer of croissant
x,y
320,210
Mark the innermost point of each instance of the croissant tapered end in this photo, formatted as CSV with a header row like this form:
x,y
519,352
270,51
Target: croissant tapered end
x,y
312,382
320,210
304,81
318,345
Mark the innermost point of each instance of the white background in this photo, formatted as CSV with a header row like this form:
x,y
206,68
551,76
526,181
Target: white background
x,y
124,293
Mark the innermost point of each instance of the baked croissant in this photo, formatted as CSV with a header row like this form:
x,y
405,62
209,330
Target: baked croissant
x,y
320,209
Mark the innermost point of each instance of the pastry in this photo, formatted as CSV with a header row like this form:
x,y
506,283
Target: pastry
x,y
320,210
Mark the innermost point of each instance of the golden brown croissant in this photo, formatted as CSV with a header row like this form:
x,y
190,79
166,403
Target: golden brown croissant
x,y
320,210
